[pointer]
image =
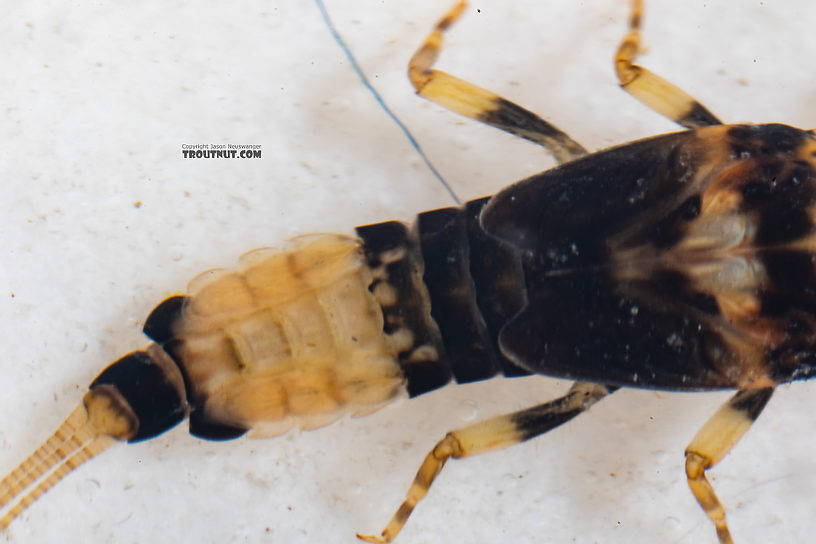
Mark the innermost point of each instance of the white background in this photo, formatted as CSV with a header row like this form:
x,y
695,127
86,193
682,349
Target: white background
x,y
96,103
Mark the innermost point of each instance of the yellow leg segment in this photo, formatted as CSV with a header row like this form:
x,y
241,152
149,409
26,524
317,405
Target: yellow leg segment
x,y
491,434
712,442
659,94
477,103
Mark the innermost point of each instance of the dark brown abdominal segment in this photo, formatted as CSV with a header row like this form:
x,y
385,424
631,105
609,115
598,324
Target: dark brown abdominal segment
x,y
391,252
446,290
446,256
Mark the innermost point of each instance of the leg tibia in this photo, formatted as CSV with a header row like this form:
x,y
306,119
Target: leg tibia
x,y
491,434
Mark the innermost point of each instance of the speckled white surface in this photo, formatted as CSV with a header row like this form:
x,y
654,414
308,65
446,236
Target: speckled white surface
x,y
97,101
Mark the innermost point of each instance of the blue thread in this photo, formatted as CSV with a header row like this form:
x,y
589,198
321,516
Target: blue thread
x,y
380,100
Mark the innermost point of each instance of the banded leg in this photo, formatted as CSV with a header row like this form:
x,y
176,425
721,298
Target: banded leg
x,y
491,434
480,104
662,96
713,442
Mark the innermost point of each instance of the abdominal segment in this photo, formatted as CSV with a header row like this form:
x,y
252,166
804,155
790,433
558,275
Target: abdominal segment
x,y
291,338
